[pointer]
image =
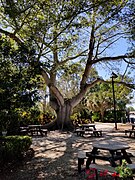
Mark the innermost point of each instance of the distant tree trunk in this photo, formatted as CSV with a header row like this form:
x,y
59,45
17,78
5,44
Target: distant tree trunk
x,y
102,115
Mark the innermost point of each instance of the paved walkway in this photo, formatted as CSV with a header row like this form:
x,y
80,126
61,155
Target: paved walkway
x,y
111,126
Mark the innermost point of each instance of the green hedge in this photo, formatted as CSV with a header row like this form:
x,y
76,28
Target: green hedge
x,y
14,147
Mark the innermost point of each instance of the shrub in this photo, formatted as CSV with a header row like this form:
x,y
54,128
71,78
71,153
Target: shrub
x,y
124,171
14,147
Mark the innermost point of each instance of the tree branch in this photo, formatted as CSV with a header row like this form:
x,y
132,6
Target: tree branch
x,y
109,45
52,88
113,58
131,86
132,63
90,55
75,100
71,58
12,36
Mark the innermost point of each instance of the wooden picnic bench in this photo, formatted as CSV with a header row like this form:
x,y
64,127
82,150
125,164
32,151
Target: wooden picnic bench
x,y
37,130
130,131
84,155
79,132
88,129
97,133
33,130
44,131
94,133
117,151
23,130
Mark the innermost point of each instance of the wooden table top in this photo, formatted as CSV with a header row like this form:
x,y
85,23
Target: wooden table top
x,y
35,125
88,125
110,145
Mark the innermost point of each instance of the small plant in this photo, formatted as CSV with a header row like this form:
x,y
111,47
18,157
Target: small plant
x,y
124,171
90,173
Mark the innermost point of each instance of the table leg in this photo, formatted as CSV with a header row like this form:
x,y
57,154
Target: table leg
x,y
130,133
94,151
88,162
119,154
40,130
126,157
80,163
112,160
91,157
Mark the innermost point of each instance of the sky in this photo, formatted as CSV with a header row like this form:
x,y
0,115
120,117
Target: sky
x,y
119,49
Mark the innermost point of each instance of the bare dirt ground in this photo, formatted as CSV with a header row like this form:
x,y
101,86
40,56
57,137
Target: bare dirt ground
x,y
55,156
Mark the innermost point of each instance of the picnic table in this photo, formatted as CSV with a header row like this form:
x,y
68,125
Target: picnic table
x,y
117,151
85,129
23,130
37,129
88,126
130,131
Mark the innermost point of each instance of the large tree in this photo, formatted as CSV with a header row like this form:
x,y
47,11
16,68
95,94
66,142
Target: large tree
x,y
64,33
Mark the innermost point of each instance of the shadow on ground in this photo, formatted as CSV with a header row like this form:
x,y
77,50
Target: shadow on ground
x,y
55,156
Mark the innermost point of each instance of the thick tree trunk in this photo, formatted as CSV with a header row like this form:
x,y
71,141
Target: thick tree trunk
x,y
63,117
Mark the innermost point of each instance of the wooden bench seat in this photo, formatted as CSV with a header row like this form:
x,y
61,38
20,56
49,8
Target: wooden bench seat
x,y
97,133
33,132
81,158
79,132
103,167
130,131
44,131
132,166
23,131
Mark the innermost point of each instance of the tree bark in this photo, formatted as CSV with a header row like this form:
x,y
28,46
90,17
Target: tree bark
x,y
63,117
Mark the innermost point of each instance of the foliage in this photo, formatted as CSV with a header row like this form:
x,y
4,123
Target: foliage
x,y
47,117
124,171
100,99
68,39
130,108
14,147
96,116
109,116
128,19
30,116
19,84
81,115
76,121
